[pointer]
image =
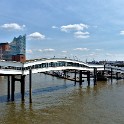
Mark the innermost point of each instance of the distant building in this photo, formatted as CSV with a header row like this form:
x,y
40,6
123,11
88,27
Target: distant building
x,y
18,45
4,48
15,49
19,58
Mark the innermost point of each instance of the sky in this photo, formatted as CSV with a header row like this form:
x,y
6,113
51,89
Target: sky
x,y
84,30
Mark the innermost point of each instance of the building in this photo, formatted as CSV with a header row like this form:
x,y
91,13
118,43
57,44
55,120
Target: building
x,y
18,45
14,51
4,47
19,58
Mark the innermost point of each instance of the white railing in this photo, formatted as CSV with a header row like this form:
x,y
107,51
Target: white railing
x,y
10,67
114,68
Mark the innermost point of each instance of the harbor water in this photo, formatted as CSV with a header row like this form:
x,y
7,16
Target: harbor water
x,y
58,101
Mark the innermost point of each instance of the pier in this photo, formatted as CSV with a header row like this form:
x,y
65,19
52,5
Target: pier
x,y
13,69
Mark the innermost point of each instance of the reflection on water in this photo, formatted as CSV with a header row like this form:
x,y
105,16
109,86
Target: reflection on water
x,y
58,101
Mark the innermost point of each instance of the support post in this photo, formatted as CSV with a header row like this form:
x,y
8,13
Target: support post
x,y
104,67
103,72
30,85
88,77
111,74
117,75
75,77
12,87
8,92
22,87
95,76
80,80
65,73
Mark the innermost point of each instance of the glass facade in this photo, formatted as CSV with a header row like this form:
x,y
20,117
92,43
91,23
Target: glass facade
x,y
16,47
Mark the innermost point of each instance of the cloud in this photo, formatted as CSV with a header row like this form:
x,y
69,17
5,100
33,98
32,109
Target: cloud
x,y
74,27
109,54
12,26
40,50
29,51
80,34
98,49
92,54
121,32
54,27
77,29
64,51
81,49
36,36
48,50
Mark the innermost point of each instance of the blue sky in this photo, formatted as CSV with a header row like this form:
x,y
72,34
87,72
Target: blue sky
x,y
77,29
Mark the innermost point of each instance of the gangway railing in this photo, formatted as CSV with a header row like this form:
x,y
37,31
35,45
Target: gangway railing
x,y
11,67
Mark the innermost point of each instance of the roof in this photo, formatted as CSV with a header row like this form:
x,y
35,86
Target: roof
x,y
1,44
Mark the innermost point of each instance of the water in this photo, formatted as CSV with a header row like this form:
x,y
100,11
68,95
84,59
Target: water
x,y
58,101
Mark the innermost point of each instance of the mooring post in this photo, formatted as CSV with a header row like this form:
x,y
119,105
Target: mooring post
x,y
117,75
95,76
80,80
8,91
65,73
88,77
111,74
12,87
103,72
75,77
30,85
104,67
22,87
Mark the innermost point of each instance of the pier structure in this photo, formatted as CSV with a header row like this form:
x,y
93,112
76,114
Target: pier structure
x,y
12,69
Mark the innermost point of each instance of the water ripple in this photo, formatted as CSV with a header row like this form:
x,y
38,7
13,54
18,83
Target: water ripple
x,y
38,91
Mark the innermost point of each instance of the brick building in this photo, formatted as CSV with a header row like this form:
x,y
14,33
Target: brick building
x,y
15,50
